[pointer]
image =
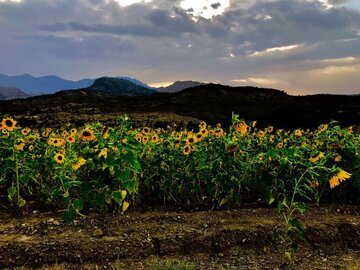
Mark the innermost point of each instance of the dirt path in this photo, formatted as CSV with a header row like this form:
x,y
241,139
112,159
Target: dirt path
x,y
234,239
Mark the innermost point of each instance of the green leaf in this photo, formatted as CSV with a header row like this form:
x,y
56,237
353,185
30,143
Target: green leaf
x,y
117,196
21,202
296,224
131,186
284,203
11,192
270,198
301,207
68,216
78,204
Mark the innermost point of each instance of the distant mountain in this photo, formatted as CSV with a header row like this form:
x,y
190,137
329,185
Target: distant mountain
x,y
8,93
178,86
135,81
119,87
42,85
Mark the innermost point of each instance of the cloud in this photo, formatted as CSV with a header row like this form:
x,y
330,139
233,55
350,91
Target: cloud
x,y
272,42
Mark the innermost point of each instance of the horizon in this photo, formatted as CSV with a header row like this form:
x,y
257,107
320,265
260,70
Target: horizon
x,y
301,47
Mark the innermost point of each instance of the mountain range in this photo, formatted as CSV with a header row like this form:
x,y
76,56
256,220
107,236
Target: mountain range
x,y
213,103
34,86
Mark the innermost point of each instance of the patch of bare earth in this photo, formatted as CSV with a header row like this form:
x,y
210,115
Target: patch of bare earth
x,y
233,239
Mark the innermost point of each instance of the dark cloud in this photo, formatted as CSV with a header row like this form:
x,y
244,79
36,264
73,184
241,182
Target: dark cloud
x,y
159,41
215,5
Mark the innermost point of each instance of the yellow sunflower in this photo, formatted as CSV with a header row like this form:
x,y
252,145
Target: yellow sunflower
x,y
87,135
103,153
78,164
25,131
187,150
59,158
8,123
191,139
73,131
155,138
146,130
70,139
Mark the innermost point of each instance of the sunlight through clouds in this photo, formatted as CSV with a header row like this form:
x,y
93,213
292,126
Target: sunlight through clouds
x,y
125,3
205,8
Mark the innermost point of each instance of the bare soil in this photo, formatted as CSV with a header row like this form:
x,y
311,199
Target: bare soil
x,y
227,239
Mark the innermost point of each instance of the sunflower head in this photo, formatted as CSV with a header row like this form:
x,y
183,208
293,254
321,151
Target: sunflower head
x,y
25,131
87,135
70,139
59,158
187,150
8,123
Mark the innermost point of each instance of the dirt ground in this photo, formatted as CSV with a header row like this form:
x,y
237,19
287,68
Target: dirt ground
x,y
227,239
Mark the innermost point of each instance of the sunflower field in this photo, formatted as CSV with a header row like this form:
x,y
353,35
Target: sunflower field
x,y
100,168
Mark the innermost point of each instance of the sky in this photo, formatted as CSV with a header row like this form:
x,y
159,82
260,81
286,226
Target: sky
x,y
299,46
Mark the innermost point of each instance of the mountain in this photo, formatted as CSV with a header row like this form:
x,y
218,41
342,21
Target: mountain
x,y
213,103
119,87
178,86
8,93
42,85
135,81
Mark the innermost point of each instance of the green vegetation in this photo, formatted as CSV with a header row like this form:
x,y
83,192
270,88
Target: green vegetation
x,y
102,168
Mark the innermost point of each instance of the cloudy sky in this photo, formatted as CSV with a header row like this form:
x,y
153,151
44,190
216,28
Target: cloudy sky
x,y
300,46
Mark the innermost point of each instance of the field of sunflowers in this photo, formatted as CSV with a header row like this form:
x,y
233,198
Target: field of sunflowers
x,y
100,168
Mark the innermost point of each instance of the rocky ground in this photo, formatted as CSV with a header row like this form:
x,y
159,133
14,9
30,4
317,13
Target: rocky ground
x,y
228,239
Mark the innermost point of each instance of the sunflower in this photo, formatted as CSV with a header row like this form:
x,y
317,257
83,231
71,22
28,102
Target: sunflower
x,y
179,136
317,157
261,133
337,158
155,138
314,183
70,139
298,133
25,131
204,132
20,145
280,145
106,135
59,158
138,137
241,127
103,153
73,131
191,139
202,125
146,130
64,133
78,164
57,142
5,132
87,135
199,137
219,132
31,147
339,177
8,123
270,129
177,143
187,150
145,139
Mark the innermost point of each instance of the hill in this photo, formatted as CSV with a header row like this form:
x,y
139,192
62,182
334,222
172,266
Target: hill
x,y
8,93
178,86
119,87
213,103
